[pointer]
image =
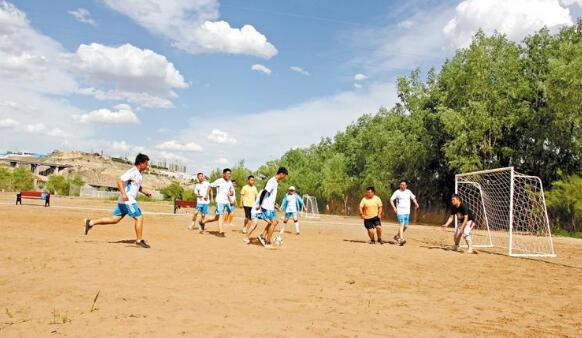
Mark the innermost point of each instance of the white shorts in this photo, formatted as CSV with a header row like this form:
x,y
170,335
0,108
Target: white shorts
x,y
468,228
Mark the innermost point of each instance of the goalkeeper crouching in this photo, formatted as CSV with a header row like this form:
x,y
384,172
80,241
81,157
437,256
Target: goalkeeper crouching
x,y
468,223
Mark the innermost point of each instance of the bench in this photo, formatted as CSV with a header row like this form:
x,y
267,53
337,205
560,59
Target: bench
x,y
34,195
178,204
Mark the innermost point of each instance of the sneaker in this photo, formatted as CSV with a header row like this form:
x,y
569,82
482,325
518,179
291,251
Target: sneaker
x,y
455,248
221,234
396,238
191,227
297,233
380,241
201,225
262,240
88,226
472,251
246,240
401,242
372,242
143,244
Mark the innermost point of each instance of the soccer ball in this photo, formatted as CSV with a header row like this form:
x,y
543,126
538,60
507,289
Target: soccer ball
x,y
278,240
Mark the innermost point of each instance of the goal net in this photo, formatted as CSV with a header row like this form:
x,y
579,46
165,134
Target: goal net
x,y
310,209
509,210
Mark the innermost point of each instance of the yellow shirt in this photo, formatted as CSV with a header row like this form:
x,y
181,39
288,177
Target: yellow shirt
x,y
370,206
248,195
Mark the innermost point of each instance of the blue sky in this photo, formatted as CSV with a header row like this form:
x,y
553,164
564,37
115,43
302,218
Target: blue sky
x,y
207,82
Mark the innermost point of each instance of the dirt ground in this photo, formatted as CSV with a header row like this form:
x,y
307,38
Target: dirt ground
x,y
327,282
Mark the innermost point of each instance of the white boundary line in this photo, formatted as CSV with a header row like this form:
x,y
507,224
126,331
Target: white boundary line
x,y
101,209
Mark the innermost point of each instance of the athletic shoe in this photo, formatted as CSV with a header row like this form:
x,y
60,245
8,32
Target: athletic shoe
x,y
262,240
88,226
455,248
297,233
372,242
246,240
190,227
396,238
221,234
472,251
380,241
244,230
201,225
402,242
143,244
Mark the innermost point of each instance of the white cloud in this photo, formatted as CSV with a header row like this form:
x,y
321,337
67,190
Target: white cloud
x,y
120,146
405,24
261,68
360,77
130,68
515,18
82,15
299,70
170,156
221,137
8,123
122,115
571,2
174,145
41,128
140,99
357,85
192,26
222,160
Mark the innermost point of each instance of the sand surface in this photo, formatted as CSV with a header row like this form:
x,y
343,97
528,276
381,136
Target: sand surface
x,y
327,282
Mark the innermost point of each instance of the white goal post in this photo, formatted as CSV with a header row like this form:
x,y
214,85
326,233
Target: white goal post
x,y
509,210
310,209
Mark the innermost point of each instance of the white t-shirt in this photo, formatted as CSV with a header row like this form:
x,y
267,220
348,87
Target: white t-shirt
x,y
271,188
201,189
291,203
402,201
223,188
132,182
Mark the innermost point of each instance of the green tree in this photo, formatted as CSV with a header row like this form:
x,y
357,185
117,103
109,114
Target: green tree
x,y
58,184
22,179
172,191
5,179
565,201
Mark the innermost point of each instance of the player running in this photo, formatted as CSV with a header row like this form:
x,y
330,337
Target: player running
x,y
458,208
371,213
202,190
264,209
291,204
402,196
224,192
129,184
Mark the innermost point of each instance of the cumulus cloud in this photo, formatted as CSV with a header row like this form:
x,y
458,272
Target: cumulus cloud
x,y
140,99
261,68
357,85
360,77
82,15
122,115
130,68
299,70
193,26
8,123
221,137
571,2
405,24
516,19
41,128
177,146
221,160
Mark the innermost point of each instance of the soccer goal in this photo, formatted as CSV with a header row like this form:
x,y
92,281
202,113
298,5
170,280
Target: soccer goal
x,y
509,210
310,209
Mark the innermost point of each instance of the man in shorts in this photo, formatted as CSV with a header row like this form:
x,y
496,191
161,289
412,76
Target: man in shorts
x,y
459,209
129,185
202,190
371,213
248,195
291,204
224,192
402,197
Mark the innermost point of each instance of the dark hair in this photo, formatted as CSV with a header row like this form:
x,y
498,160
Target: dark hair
x,y
282,170
199,174
141,158
226,170
250,176
404,181
371,189
457,197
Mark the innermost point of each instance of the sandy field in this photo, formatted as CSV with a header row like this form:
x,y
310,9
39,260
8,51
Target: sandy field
x,y
327,282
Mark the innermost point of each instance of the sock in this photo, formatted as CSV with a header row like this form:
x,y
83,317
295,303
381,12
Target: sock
x,y
297,227
91,223
469,242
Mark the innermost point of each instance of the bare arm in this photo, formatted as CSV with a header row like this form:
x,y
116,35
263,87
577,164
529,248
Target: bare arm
x,y
121,187
393,206
415,203
449,221
145,192
361,211
380,211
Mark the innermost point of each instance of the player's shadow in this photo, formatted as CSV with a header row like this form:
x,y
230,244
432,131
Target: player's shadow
x,y
355,241
123,241
213,232
441,247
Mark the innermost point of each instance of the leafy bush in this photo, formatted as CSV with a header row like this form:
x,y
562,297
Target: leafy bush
x,y
62,185
172,191
5,179
22,179
565,202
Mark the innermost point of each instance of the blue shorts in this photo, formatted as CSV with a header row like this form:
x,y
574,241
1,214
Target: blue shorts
x,y
403,219
123,209
202,208
222,208
290,215
265,214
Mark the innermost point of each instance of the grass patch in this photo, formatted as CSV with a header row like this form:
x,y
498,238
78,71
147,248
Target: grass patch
x,y
565,233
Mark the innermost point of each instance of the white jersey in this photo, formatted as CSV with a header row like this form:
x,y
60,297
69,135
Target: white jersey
x,y
291,203
132,183
271,189
223,188
402,201
201,189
